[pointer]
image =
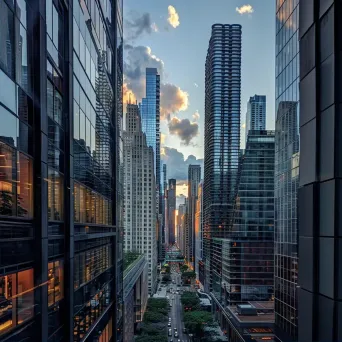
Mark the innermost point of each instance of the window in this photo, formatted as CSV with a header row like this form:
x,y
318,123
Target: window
x,y
55,195
55,279
24,187
7,39
23,60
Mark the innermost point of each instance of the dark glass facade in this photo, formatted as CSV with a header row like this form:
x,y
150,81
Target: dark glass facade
x,y
286,168
171,211
61,258
319,195
222,135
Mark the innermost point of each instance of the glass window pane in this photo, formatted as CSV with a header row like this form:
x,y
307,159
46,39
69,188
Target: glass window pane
x,y
76,121
25,188
7,93
25,301
24,107
88,136
49,104
8,127
55,196
82,127
7,180
76,202
49,17
21,11
6,39
58,106
25,138
55,24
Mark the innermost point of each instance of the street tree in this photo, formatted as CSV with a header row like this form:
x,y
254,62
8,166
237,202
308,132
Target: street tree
x,y
196,321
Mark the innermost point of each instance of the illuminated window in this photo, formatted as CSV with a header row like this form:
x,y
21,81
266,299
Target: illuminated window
x,y
55,279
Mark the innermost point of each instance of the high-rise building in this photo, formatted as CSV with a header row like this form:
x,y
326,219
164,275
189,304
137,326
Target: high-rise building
x,y
199,232
286,169
171,211
319,196
222,135
60,185
150,119
256,114
140,202
180,225
194,177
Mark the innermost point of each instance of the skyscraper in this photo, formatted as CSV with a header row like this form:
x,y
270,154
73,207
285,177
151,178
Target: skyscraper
x,y
319,196
61,265
286,169
171,210
194,177
222,134
199,232
181,225
140,202
256,114
150,119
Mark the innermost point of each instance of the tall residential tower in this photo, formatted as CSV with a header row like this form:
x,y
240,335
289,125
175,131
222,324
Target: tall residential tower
x,y
256,114
222,135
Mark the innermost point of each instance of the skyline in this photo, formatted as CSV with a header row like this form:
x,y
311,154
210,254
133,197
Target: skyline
x,y
154,32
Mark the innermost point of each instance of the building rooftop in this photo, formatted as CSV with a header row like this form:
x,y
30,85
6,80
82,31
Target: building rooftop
x,y
265,312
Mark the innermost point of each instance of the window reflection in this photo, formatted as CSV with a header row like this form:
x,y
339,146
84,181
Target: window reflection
x,y
16,299
55,195
23,73
24,187
55,279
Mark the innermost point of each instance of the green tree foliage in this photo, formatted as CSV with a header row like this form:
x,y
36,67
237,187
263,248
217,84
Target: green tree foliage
x,y
189,274
196,321
184,268
154,317
154,304
148,338
190,300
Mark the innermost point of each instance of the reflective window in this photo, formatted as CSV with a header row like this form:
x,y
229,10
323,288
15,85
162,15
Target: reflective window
x,y
7,93
55,279
23,60
55,195
7,39
16,299
24,187
8,127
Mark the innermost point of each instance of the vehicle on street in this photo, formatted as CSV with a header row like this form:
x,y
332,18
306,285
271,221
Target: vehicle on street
x,y
175,329
169,324
176,334
170,332
184,330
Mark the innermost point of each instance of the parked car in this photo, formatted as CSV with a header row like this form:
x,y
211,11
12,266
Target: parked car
x,y
176,334
170,332
169,324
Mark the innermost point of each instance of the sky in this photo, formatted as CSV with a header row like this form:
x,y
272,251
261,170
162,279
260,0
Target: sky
x,y
173,36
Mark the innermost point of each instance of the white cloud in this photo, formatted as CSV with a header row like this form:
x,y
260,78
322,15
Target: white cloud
x,y
173,18
154,27
245,9
196,115
195,84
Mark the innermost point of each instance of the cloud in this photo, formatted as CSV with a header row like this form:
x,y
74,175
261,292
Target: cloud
x,y
173,18
173,99
137,59
136,25
180,199
185,129
177,166
243,125
195,84
128,96
196,116
154,27
245,9
162,139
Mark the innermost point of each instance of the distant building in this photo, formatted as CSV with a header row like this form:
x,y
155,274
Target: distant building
x,y
181,226
199,233
194,177
171,203
139,185
256,114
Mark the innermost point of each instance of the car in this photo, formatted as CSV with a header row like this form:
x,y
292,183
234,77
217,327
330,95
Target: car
x,y
178,340
175,329
170,305
170,332
169,324
176,334
184,330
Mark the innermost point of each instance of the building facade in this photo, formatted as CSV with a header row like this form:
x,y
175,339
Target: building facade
x,y
60,201
256,114
286,169
319,196
248,252
222,135
150,118
139,187
135,295
199,231
181,226
194,178
171,211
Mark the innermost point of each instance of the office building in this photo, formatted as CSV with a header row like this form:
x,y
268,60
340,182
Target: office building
x,y
140,201
61,257
256,114
194,177
319,197
286,169
199,232
171,211
164,211
248,252
150,119
181,226
222,135
135,292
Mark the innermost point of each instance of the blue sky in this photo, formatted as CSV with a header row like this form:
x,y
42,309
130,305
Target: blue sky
x,y
183,51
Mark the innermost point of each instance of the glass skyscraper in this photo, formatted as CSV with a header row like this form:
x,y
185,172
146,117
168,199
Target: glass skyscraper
x,y
286,168
60,158
222,135
256,113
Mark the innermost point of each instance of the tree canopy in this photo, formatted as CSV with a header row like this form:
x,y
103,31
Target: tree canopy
x,y
190,300
196,321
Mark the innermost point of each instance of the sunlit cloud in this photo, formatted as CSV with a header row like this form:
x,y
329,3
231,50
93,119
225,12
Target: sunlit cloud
x,y
162,138
128,95
184,129
196,116
243,125
173,99
173,18
245,9
162,151
181,189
